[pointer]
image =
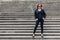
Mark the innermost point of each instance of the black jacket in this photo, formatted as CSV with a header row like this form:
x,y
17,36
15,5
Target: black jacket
x,y
40,14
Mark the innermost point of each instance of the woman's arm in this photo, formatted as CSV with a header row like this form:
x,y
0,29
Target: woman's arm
x,y
44,14
35,14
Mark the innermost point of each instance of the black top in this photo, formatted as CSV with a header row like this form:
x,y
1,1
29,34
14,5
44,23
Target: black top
x,y
40,14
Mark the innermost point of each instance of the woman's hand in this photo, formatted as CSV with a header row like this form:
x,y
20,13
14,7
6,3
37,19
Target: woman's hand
x,y
36,19
43,18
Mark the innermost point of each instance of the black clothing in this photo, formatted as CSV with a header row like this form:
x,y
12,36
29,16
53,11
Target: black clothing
x,y
39,15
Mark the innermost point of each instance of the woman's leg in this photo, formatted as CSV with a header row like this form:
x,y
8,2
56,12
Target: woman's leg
x,y
42,22
41,27
37,22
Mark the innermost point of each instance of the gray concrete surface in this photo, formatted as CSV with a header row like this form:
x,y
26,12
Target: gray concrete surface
x,y
18,10
52,7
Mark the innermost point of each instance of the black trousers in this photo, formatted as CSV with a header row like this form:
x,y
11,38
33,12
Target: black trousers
x,y
41,21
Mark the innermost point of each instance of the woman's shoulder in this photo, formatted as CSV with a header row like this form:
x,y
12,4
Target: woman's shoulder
x,y
35,10
42,9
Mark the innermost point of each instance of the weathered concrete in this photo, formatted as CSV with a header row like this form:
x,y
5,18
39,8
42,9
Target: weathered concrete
x,y
52,7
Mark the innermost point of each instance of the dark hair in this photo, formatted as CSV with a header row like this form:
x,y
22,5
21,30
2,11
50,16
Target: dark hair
x,y
39,5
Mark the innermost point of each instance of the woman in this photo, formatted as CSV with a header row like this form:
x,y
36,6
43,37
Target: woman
x,y
39,17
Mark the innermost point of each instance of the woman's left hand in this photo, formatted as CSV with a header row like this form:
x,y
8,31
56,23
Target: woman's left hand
x,y
43,18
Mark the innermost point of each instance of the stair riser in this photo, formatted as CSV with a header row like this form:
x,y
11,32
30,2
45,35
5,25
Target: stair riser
x,y
29,31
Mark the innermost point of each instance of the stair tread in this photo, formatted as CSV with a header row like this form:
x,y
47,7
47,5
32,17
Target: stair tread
x,y
28,37
30,33
28,25
31,20
21,28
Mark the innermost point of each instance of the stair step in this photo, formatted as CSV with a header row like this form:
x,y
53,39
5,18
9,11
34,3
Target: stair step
x,y
8,19
24,27
28,37
26,17
28,31
26,23
29,25
27,20
29,34
22,19
33,39
15,37
10,28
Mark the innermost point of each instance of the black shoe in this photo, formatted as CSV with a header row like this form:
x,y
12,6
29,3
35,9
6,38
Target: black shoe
x,y
33,35
41,35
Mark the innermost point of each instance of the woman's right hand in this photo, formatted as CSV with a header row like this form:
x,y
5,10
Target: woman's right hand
x,y
36,19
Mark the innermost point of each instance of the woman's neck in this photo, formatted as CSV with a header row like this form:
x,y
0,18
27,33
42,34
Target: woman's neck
x,y
39,9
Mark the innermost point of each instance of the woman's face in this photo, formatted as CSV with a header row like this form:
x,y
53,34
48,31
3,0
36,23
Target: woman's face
x,y
39,6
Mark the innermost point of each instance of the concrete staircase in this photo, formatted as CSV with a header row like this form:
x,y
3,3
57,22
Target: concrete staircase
x,y
23,29
17,21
